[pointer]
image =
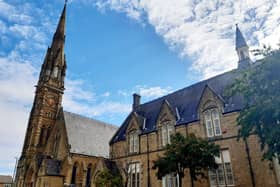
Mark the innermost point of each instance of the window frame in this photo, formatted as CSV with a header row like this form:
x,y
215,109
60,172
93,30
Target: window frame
x,y
174,179
167,130
133,142
222,162
212,121
134,174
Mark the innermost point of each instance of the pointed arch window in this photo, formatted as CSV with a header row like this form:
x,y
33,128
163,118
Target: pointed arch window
x,y
74,174
88,176
56,144
212,122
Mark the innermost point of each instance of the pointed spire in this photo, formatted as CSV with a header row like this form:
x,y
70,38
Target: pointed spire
x,y
60,31
54,66
240,41
242,50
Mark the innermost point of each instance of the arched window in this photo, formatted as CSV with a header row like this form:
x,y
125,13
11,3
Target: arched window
x,y
212,122
88,176
74,174
56,145
42,134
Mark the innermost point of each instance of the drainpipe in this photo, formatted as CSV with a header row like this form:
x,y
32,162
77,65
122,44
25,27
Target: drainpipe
x,y
250,164
148,160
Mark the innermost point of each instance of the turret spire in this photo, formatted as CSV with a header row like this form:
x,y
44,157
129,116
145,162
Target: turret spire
x,y
54,66
60,31
242,49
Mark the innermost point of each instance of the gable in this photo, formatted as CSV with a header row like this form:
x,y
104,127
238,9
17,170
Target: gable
x,y
166,114
133,124
58,134
210,99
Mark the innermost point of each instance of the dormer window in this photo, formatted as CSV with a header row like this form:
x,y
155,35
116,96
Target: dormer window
x,y
133,140
212,122
166,131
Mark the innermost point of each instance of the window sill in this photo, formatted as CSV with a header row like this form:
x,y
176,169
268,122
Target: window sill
x,y
133,153
215,137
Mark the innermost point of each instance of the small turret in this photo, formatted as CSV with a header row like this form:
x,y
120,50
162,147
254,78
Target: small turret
x,y
242,50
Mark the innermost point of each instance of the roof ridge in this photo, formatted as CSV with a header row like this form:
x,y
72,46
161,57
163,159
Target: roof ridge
x,y
192,85
89,118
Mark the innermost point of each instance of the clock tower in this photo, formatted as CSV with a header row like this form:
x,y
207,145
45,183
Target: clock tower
x,y
48,95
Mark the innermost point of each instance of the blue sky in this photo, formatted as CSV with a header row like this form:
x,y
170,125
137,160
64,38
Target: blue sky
x,y
117,47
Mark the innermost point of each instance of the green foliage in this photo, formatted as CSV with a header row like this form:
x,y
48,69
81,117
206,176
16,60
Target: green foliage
x,y
260,86
190,152
107,178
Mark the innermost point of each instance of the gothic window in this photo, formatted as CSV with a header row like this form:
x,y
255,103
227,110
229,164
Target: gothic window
x,y
88,176
222,176
170,180
55,72
133,139
56,144
42,134
74,174
212,122
134,175
166,131
242,55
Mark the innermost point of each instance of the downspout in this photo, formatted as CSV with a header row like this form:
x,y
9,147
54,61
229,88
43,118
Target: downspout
x,y
250,164
148,160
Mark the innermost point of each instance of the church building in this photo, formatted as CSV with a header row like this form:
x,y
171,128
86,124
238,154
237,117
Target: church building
x,y
65,149
60,148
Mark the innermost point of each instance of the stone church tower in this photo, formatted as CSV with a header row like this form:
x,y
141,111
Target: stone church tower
x,y
47,101
60,148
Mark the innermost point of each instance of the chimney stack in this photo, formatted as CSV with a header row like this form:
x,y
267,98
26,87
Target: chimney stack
x,y
136,100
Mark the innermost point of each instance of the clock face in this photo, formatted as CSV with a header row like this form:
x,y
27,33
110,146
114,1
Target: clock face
x,y
50,100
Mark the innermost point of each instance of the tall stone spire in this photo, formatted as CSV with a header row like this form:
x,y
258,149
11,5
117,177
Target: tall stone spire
x,y
48,95
242,50
54,66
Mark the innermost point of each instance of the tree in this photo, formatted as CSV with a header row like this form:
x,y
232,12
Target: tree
x,y
260,87
189,152
107,178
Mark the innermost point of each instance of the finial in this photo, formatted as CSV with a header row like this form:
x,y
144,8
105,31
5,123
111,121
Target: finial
x,y
65,2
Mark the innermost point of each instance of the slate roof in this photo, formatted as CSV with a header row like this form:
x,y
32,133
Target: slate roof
x,y
6,179
185,102
88,136
240,41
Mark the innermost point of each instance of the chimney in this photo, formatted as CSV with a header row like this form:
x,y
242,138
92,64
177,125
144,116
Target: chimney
x,y
136,100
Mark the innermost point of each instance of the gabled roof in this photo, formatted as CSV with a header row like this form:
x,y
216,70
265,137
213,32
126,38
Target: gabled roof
x,y
88,136
186,101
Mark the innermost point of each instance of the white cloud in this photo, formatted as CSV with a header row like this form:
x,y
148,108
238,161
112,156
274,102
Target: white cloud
x,y
17,82
106,94
79,99
147,93
152,92
203,29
